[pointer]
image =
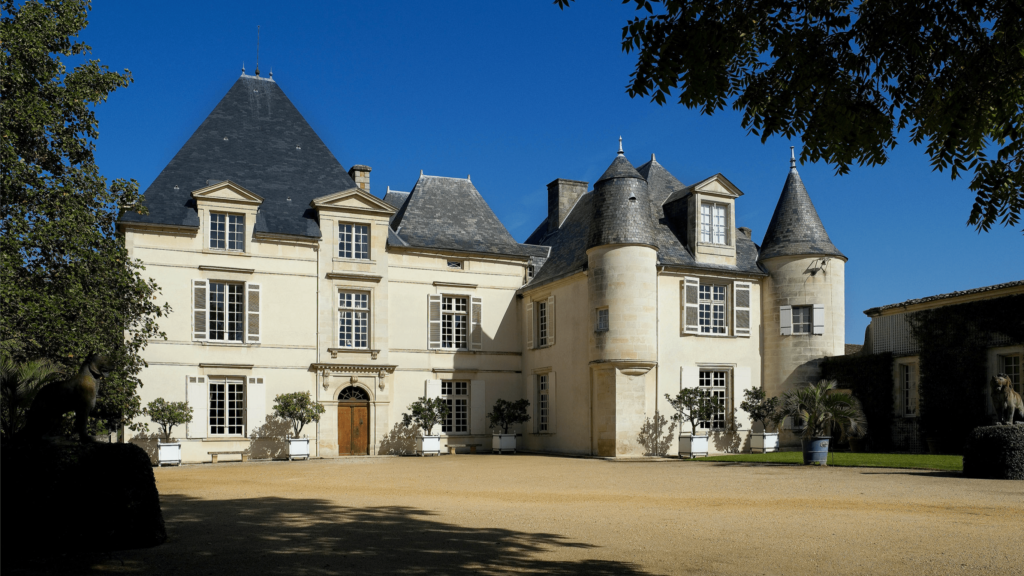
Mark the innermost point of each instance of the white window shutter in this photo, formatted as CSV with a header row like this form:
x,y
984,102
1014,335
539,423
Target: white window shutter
x,y
818,319
252,313
197,394
255,404
477,407
741,308
551,320
433,389
434,321
200,309
529,324
691,295
786,320
477,340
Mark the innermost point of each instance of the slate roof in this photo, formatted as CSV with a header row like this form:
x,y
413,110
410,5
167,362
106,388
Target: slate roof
x,y
450,214
879,309
622,207
256,138
396,198
795,228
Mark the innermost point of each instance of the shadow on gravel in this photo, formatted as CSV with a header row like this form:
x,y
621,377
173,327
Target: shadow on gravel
x,y
297,537
917,472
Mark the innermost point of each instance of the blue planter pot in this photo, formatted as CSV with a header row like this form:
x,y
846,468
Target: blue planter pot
x,y
816,450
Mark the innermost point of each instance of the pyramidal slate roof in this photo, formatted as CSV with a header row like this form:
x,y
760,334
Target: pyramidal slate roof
x,y
450,214
256,138
622,207
795,228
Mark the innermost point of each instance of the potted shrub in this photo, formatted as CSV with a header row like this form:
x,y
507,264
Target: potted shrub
x,y
168,415
766,411
504,415
301,409
693,406
427,413
820,407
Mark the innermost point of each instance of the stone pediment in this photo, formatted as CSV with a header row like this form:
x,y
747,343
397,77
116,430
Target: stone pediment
x,y
227,191
716,185
352,200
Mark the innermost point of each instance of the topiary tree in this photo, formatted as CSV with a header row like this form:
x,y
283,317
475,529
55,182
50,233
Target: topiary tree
x,y
692,405
426,413
168,415
506,414
298,407
762,408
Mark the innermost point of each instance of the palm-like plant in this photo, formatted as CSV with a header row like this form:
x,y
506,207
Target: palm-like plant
x,y
19,383
821,407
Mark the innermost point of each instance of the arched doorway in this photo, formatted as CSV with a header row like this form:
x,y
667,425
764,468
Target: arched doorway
x,y
353,421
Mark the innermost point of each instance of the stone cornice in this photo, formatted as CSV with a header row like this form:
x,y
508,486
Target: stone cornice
x,y
353,276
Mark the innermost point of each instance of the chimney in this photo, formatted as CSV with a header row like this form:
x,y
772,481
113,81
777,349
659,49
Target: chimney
x,y
361,174
562,196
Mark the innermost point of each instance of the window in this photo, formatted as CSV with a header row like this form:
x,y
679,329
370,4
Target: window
x,y
353,241
602,320
711,309
713,383
542,324
453,323
1010,365
712,223
227,231
542,403
529,273
227,408
908,390
353,319
456,395
455,264
227,321
801,319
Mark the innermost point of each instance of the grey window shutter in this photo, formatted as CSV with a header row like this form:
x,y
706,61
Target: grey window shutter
x,y
529,324
741,308
691,294
477,341
255,404
818,319
252,314
197,394
786,320
551,320
434,318
200,325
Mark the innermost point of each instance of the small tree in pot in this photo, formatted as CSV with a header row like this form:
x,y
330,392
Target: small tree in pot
x,y
427,413
168,415
504,415
820,407
765,410
692,405
301,409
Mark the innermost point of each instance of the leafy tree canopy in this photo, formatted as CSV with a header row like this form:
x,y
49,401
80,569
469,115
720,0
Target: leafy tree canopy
x,y
426,413
168,415
506,414
68,286
847,76
300,408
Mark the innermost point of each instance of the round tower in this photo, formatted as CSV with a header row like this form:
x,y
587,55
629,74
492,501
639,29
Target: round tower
x,y
622,290
803,300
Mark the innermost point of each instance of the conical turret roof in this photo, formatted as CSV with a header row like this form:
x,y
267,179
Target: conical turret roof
x,y
796,229
622,207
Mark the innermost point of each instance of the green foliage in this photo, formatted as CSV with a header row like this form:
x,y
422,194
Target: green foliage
x,y
848,76
762,408
995,452
954,375
692,405
299,407
168,415
19,382
869,378
67,285
820,407
915,461
426,413
506,414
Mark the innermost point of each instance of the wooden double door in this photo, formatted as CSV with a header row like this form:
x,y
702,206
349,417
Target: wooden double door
x,y
353,428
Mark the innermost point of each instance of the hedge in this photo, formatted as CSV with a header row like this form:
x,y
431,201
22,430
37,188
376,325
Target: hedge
x,y
995,452
869,379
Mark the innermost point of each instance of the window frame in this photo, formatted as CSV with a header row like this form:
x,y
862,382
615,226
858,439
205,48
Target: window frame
x,y
354,310
543,384
352,241
455,400
543,322
809,310
1016,381
226,313
713,303
714,230
227,407
233,224
453,313
724,415
603,314
908,389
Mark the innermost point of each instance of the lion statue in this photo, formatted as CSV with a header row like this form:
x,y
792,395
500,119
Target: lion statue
x,y
77,394
1007,401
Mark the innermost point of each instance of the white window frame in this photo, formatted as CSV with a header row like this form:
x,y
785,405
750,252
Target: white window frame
x,y
717,382
908,383
602,320
543,403
220,311
454,319
230,398
455,393
809,324
1010,364
714,223
712,311
353,319
542,323
227,232
354,240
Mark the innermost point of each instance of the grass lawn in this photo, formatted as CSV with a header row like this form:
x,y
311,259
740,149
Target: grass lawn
x,y
920,461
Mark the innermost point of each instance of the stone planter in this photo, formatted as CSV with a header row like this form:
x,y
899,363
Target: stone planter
x,y
428,445
692,446
502,443
764,442
816,450
298,448
169,453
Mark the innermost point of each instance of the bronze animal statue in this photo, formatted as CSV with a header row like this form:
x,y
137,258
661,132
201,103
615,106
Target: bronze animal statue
x,y
1007,401
77,394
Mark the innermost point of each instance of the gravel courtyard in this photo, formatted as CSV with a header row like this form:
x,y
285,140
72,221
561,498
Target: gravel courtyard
x,y
536,514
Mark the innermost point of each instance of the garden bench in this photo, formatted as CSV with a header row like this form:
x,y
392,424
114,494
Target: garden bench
x,y
213,455
472,447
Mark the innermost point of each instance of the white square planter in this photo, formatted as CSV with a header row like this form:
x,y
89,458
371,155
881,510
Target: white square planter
x,y
502,443
169,453
693,446
298,448
764,442
428,445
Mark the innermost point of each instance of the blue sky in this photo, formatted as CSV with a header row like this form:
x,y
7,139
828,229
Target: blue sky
x,y
516,94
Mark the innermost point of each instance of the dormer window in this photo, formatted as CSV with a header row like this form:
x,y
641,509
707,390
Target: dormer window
x,y
354,241
713,223
227,231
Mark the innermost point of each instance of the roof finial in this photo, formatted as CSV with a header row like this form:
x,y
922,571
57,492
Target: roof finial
x,y
243,66
271,71
469,177
620,145
257,50
792,158
653,159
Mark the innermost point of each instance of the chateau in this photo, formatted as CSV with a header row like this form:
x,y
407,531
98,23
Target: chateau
x,y
285,273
